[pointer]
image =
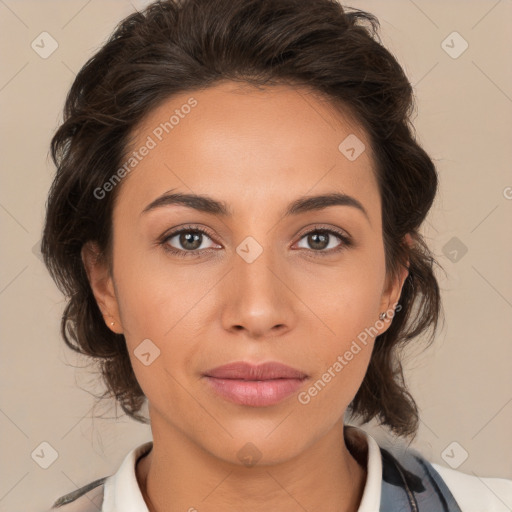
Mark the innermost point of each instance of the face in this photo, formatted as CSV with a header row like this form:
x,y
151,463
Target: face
x,y
255,283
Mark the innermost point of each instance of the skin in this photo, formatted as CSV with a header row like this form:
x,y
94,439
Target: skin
x,y
257,150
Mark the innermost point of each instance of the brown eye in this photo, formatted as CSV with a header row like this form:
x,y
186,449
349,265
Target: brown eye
x,y
187,242
324,241
318,240
190,240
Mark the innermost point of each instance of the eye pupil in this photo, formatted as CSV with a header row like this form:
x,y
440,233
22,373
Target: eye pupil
x,y
314,240
187,237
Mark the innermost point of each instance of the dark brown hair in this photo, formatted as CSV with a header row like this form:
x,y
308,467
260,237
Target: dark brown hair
x,y
184,45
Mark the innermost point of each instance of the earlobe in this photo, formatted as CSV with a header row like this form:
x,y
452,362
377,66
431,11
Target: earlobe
x,y
393,289
101,284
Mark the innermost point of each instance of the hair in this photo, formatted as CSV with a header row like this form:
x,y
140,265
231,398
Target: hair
x,y
175,46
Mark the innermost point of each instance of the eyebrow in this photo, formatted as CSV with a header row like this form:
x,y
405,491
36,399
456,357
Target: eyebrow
x,y
207,204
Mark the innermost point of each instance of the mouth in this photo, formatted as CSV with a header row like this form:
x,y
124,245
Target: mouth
x,y
255,385
242,370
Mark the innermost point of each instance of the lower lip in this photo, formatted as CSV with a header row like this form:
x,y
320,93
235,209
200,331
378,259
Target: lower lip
x,y
255,393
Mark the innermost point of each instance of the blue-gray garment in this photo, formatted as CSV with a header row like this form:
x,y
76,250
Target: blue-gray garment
x,y
409,484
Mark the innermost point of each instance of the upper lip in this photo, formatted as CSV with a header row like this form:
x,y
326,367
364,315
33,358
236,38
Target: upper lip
x,y
248,371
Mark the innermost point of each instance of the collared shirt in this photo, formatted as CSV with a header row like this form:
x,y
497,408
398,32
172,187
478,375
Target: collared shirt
x,y
120,492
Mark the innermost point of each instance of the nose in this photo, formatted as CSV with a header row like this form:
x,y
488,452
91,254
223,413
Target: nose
x,y
257,298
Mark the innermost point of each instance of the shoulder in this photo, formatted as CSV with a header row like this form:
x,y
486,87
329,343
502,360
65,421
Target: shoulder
x,y
119,491
88,498
428,482
474,493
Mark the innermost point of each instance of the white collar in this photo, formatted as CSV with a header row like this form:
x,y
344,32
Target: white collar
x,y
122,492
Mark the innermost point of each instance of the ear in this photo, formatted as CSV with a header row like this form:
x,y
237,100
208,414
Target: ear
x,y
393,289
102,285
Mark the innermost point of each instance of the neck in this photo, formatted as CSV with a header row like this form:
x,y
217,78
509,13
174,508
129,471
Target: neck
x,y
327,476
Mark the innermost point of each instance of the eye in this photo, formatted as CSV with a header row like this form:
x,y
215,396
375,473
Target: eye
x,y
189,241
323,240
186,241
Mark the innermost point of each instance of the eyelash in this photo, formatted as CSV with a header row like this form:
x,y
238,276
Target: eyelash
x,y
346,241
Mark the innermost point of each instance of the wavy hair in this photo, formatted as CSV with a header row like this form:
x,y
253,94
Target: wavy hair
x,y
174,46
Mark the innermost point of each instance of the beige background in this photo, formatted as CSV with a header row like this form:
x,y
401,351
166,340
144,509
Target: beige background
x,y
463,384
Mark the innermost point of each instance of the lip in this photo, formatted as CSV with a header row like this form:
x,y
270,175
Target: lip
x,y
246,371
255,385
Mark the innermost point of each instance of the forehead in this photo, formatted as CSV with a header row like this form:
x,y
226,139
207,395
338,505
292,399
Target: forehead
x,y
242,143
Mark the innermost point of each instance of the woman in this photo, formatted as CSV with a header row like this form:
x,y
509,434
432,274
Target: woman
x,y
235,220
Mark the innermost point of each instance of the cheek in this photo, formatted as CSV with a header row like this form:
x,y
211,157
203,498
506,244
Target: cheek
x,y
160,302
340,365
347,298
344,335
153,293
